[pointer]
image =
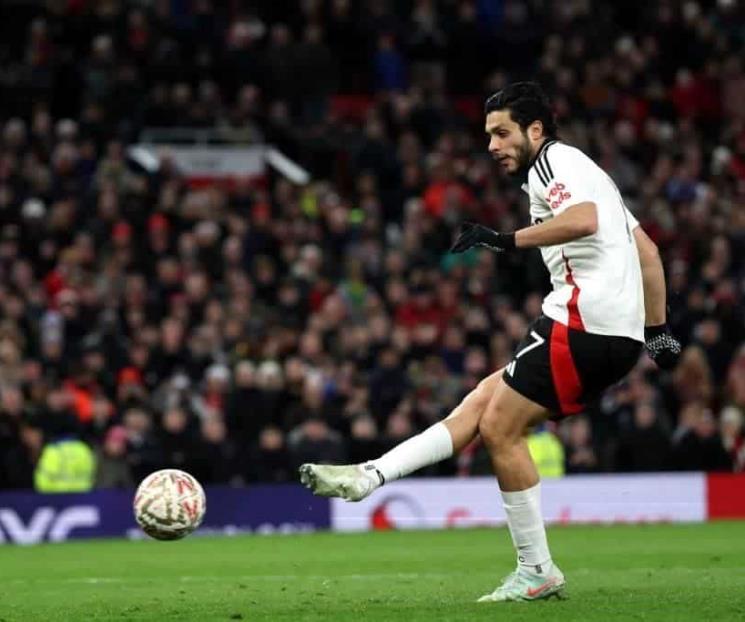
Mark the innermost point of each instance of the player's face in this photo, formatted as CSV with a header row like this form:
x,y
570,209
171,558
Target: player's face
x,y
509,144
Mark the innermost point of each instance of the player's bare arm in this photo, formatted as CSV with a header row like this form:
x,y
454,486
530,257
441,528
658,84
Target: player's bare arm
x,y
578,221
660,343
653,277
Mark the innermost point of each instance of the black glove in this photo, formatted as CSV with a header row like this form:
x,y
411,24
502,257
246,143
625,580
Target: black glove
x,y
662,347
472,234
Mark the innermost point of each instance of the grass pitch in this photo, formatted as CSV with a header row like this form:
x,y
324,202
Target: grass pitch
x,y
671,572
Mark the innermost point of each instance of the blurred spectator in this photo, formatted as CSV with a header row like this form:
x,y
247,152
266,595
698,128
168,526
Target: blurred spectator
x,y
179,443
390,65
547,452
111,460
732,430
646,445
269,460
388,384
692,377
21,441
66,463
217,456
364,443
736,379
314,441
580,452
698,445
244,415
143,451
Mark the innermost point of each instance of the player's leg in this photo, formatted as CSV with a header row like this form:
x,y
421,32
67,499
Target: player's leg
x,y
555,369
463,421
503,428
436,443
451,435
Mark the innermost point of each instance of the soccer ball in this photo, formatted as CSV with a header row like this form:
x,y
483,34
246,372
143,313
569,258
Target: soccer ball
x,y
169,504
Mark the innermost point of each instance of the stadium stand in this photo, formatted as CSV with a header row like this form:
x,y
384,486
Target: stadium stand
x,y
238,329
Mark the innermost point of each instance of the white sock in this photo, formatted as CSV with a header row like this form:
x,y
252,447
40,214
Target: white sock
x,y
431,446
523,508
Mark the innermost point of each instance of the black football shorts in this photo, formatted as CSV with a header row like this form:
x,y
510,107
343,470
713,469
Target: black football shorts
x,y
565,369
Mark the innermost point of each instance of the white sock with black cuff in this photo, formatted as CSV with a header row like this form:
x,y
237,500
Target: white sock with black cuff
x,y
429,447
523,508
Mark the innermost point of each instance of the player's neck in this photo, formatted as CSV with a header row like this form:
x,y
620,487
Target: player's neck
x,y
536,148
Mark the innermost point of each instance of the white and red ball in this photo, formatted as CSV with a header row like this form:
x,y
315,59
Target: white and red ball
x,y
169,504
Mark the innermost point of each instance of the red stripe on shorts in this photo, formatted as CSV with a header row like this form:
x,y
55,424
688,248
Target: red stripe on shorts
x,y
563,371
575,319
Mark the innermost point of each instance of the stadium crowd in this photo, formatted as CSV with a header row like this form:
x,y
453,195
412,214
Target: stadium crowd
x,y
238,331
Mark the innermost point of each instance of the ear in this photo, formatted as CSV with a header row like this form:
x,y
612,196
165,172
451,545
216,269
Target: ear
x,y
535,130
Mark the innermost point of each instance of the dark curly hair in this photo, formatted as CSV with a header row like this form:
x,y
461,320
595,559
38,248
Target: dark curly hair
x,y
527,102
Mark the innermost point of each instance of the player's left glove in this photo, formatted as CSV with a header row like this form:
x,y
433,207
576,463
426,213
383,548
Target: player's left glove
x,y
663,348
472,234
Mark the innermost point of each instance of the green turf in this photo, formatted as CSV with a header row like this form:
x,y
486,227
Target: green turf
x,y
686,572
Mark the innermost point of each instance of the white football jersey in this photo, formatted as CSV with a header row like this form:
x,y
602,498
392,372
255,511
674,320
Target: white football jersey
x,y
596,280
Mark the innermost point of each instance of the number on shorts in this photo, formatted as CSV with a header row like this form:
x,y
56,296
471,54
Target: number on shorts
x,y
539,341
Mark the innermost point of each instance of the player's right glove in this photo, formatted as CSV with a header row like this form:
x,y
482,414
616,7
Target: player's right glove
x,y
472,234
663,348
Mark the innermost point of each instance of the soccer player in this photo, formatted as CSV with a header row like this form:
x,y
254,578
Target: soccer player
x,y
608,284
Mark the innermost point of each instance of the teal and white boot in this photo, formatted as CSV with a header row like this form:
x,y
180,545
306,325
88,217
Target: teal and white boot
x,y
352,482
523,585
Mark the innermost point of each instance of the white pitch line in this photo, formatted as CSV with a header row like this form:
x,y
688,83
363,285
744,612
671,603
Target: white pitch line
x,y
329,578
248,577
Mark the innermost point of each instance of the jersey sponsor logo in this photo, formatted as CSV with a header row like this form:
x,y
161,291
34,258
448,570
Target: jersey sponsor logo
x,y
556,195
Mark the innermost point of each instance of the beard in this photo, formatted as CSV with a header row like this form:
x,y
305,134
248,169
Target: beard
x,y
524,156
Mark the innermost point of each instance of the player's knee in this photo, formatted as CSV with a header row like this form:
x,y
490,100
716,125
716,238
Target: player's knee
x,y
492,428
485,390
502,424
482,396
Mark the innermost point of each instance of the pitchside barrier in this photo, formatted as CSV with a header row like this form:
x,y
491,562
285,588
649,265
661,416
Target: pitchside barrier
x,y
29,518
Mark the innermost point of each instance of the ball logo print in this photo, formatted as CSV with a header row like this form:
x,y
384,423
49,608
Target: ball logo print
x,y
169,504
